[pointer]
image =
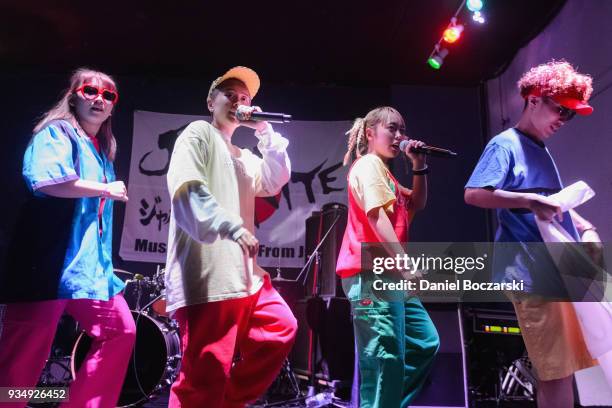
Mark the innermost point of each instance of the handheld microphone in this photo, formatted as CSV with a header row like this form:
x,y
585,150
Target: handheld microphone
x,y
244,113
428,150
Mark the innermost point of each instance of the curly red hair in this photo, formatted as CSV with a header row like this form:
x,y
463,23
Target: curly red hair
x,y
556,78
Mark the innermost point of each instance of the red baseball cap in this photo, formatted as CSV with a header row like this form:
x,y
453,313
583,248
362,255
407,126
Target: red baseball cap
x,y
580,107
568,101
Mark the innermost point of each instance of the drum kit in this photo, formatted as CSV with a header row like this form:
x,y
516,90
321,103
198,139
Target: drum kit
x,y
156,357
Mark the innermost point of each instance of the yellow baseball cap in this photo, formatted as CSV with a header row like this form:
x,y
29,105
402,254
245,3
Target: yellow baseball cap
x,y
243,74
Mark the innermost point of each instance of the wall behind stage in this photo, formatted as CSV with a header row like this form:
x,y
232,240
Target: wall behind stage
x,y
447,117
580,34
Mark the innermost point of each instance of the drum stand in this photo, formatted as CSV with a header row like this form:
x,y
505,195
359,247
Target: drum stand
x,y
49,376
286,375
518,383
157,283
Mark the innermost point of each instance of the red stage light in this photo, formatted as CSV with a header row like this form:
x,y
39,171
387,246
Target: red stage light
x,y
452,33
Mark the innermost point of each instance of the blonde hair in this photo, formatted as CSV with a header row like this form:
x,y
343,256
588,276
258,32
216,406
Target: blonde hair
x,y
64,109
556,78
357,141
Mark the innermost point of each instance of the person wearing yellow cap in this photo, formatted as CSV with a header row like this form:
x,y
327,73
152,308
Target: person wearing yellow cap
x,y
515,175
223,301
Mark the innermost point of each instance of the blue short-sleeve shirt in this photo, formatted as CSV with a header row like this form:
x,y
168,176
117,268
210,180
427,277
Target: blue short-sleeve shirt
x,y
512,161
59,153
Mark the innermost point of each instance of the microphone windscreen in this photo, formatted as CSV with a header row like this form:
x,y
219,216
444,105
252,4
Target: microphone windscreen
x,y
243,112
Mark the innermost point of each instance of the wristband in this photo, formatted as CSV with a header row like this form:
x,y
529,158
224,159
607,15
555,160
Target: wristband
x,y
421,172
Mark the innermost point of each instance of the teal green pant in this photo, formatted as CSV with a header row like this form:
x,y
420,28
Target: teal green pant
x,y
396,345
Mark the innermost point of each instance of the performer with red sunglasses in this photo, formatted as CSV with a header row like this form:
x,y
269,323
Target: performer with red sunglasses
x,y
60,258
91,92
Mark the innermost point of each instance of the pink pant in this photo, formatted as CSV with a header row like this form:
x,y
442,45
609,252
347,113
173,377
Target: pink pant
x,y
26,335
260,327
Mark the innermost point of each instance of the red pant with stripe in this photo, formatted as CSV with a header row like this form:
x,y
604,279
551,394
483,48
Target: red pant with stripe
x,y
260,327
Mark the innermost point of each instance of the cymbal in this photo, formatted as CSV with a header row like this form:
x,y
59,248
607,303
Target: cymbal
x,y
117,270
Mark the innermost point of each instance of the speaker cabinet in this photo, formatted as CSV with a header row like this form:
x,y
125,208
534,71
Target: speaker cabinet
x,y
322,276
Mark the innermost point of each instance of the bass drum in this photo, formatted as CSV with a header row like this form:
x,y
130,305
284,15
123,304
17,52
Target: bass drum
x,y
154,363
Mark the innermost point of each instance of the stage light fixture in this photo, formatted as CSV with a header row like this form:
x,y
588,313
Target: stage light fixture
x,y
452,32
474,5
437,58
478,17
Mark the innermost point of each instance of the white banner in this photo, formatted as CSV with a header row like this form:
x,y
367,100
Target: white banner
x,y
316,150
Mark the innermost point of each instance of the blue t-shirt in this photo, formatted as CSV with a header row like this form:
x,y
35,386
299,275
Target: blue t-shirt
x,y
512,161
56,154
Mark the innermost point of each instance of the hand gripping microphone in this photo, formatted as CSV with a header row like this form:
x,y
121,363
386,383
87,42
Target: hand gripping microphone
x,y
428,150
244,113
